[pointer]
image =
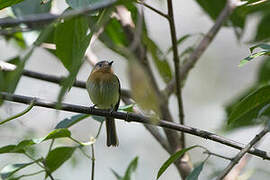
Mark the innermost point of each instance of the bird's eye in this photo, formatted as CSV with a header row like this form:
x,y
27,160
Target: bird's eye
x,y
99,65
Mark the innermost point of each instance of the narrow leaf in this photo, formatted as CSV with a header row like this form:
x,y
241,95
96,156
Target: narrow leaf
x,y
172,159
252,56
131,168
127,108
10,169
7,3
58,133
251,104
70,121
194,175
262,46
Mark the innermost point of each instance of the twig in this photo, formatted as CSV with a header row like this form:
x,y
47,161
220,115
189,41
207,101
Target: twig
x,y
93,162
237,158
48,17
132,117
176,68
41,165
203,45
152,8
19,114
217,155
153,130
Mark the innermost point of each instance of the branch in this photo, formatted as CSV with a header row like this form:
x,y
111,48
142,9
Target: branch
x,y
48,17
152,8
176,61
203,45
153,130
132,117
237,158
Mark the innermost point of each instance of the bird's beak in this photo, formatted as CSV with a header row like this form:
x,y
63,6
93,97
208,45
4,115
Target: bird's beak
x,y
110,63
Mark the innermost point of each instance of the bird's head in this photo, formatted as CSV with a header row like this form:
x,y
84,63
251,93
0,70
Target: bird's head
x,y
103,67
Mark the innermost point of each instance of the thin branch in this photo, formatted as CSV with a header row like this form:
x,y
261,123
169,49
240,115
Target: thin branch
x,y
217,155
19,114
203,45
152,8
177,67
93,162
152,130
237,158
46,18
133,117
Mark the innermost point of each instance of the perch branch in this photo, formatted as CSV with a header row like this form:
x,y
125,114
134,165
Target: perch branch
x,y
133,117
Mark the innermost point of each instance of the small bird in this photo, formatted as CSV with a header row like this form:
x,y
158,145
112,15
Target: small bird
x,y
103,87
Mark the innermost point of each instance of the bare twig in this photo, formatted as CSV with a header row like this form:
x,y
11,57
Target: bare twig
x,y
152,8
46,18
177,67
217,155
203,45
133,117
237,158
93,162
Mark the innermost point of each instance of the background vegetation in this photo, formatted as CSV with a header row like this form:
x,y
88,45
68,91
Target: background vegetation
x,y
152,95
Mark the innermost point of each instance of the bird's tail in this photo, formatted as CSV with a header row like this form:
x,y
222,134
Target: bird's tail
x,y
111,132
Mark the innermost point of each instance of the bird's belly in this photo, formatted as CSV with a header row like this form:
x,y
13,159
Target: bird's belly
x,y
104,94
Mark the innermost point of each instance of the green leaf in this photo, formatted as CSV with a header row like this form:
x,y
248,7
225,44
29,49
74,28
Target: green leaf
x,y
11,169
46,35
264,71
18,38
250,105
7,3
71,39
252,56
70,121
172,159
131,168
29,7
179,42
98,118
118,177
57,157
230,107
10,79
212,7
10,149
161,63
263,29
58,133
194,175
262,46
127,108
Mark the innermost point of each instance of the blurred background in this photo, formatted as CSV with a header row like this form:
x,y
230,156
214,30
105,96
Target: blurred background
x,y
215,80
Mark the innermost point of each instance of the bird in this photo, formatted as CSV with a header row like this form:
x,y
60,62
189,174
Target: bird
x,y
103,87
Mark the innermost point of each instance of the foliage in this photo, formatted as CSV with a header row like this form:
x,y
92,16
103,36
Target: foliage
x,y
71,38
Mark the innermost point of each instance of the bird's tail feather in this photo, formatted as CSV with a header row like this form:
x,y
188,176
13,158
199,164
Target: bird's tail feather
x,y
111,132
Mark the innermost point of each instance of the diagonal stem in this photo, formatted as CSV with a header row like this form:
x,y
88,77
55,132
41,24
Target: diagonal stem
x,y
237,158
